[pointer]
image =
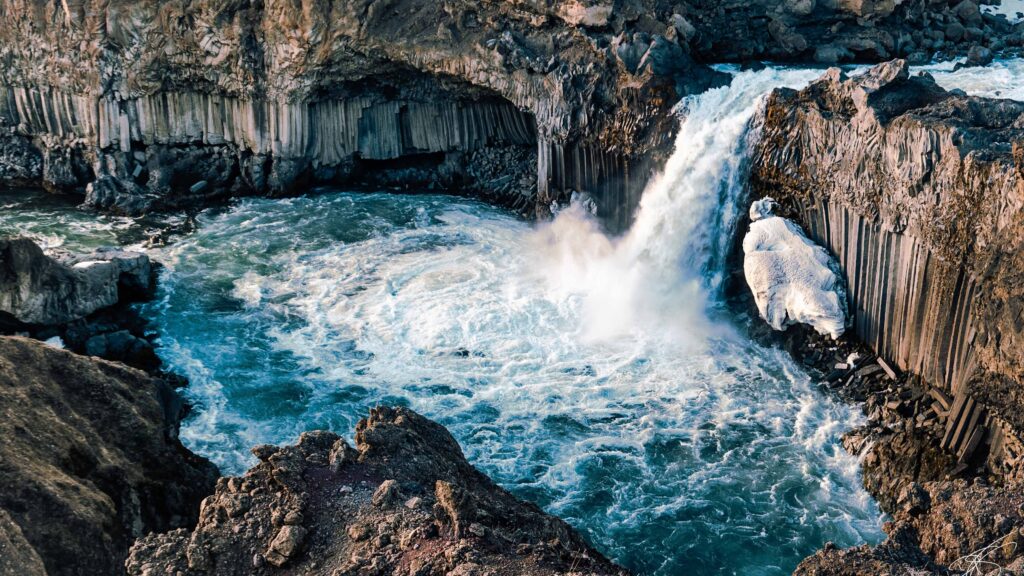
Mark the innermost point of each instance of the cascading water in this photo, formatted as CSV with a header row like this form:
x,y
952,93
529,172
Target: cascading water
x,y
596,376
582,372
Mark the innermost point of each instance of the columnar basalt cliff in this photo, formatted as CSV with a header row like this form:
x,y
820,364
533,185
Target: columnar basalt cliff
x,y
918,191
160,104
90,462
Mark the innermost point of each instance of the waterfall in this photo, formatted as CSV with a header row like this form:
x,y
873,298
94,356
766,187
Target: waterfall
x,y
669,267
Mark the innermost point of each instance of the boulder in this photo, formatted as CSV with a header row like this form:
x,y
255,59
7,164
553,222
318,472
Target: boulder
x,y
37,289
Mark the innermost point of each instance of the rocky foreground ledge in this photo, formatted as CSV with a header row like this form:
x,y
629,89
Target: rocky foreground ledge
x,y
89,462
404,500
81,301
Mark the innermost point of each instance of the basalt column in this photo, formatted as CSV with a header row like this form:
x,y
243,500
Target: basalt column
x,y
919,193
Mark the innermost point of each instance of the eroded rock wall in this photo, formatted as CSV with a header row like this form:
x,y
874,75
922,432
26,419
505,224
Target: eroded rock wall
x,y
918,192
166,103
163,104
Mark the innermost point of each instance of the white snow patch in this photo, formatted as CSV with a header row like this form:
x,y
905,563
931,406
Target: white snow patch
x,y
55,342
794,281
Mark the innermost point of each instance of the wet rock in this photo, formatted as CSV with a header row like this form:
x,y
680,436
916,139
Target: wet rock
x,y
38,289
122,346
980,56
285,545
353,519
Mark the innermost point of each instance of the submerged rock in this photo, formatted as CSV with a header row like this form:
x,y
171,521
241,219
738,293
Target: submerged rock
x,y
404,500
89,461
794,281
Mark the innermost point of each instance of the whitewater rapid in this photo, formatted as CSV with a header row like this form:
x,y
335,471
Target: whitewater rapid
x,y
598,377
589,374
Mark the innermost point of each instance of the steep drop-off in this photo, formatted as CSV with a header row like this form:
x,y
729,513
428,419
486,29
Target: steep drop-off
x,y
403,501
918,191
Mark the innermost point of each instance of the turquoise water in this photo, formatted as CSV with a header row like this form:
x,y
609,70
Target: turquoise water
x,y
56,223
598,377
708,455
595,376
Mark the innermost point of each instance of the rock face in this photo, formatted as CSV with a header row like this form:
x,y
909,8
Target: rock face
x,y
145,104
38,289
403,501
963,527
918,192
90,461
158,104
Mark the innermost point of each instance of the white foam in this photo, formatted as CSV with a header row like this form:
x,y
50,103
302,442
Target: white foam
x,y
1012,9
659,277
580,370
1001,79
55,342
794,280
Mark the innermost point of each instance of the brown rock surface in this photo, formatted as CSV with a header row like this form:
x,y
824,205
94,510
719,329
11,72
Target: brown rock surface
x,y
403,501
949,528
919,193
89,462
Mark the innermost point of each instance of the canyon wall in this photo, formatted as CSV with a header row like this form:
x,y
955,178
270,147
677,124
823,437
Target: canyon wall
x,y
164,104
919,193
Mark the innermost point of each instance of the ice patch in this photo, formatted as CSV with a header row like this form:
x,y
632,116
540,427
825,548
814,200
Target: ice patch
x,y
794,281
55,342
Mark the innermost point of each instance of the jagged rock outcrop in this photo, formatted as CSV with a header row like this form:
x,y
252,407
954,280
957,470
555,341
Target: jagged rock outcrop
x,y
918,191
90,461
160,104
404,500
946,527
41,290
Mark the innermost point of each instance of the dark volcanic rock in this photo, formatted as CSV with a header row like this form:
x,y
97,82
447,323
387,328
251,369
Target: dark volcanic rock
x,y
403,501
38,289
145,104
919,192
90,461
964,528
